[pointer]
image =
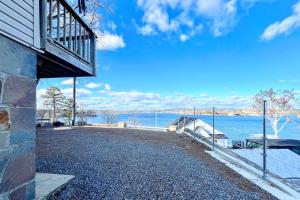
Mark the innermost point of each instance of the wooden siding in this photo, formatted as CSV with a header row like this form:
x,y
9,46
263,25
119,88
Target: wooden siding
x,y
17,19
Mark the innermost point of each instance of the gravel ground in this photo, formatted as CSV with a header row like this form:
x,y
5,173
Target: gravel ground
x,y
135,164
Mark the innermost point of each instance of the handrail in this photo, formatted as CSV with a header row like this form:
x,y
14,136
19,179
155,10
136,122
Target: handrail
x,y
61,25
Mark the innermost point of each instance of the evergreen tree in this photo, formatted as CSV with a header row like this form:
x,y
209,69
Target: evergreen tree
x,y
54,99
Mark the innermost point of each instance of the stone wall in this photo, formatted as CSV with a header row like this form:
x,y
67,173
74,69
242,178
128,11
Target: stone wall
x,y
17,120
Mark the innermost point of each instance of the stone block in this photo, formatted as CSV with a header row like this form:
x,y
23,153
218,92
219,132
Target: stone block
x,y
30,190
19,170
1,88
19,194
4,119
17,59
4,196
26,192
22,149
22,125
19,91
4,159
4,139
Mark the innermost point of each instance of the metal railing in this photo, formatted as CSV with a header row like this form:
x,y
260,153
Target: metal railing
x,y
63,26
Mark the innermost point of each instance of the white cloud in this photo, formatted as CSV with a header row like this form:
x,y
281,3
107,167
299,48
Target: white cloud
x,y
40,93
203,95
107,87
93,85
184,37
289,80
134,100
285,26
210,8
128,100
177,16
68,82
109,41
146,30
79,92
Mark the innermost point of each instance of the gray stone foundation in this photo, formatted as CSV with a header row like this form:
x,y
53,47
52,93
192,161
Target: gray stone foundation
x,y
17,120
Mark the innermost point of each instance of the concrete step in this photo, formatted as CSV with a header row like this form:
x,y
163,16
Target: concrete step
x,y
49,184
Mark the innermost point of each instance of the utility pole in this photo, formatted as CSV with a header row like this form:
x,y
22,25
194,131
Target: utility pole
x,y
264,141
74,102
213,127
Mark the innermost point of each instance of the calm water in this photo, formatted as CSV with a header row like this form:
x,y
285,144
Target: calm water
x,y
234,127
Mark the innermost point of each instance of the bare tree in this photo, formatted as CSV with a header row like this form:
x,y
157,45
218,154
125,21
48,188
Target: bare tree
x,y
109,117
134,121
84,115
90,9
279,106
67,111
42,113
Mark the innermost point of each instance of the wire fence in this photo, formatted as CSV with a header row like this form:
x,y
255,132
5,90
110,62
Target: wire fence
x,y
244,134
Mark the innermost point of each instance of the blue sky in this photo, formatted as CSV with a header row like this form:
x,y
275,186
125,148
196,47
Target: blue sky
x,y
174,53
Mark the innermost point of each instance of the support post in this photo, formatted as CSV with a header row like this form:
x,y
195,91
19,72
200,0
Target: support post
x,y
213,127
74,102
264,141
194,119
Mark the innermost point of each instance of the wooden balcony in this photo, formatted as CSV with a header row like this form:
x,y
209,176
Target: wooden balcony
x,y
68,42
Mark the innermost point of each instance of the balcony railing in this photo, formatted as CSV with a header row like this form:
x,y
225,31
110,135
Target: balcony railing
x,y
64,27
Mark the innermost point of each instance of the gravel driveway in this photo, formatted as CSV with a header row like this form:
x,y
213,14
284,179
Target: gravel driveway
x,y
135,164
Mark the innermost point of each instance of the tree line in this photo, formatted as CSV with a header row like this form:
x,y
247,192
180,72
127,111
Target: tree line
x,y
57,106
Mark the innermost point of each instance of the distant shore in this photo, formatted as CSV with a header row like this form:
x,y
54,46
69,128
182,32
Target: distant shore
x,y
223,112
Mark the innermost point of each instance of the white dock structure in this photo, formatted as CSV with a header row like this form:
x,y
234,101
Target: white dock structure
x,y
200,128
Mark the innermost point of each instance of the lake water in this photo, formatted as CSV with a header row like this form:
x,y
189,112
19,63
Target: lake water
x,y
234,127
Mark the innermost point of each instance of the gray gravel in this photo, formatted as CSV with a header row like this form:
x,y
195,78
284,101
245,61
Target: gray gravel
x,y
129,164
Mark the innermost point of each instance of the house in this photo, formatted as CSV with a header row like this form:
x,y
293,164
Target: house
x,y
38,39
200,128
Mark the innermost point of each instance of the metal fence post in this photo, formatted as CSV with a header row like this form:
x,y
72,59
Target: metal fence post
x,y
264,141
183,120
194,120
213,128
178,121
156,118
